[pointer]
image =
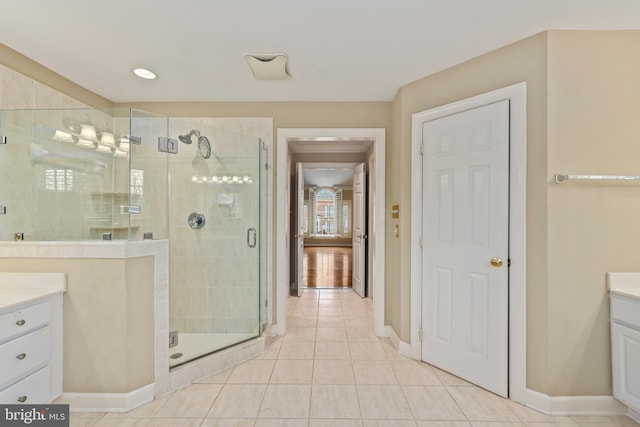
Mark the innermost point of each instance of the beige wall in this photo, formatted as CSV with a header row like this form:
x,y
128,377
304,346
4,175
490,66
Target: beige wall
x,y
108,321
593,227
285,114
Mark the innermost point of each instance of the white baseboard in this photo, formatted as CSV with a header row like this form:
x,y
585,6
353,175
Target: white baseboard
x,y
634,415
574,405
402,347
107,402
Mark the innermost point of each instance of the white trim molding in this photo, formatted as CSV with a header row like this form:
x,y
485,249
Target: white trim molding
x,y
516,94
402,347
377,137
574,405
107,402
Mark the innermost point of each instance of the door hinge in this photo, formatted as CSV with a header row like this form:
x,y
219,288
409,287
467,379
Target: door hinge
x,y
173,339
508,262
167,145
421,242
420,334
422,148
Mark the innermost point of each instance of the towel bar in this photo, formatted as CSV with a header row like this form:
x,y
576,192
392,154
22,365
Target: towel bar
x,y
560,178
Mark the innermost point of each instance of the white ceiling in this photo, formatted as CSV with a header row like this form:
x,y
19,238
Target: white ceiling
x,y
328,177
339,50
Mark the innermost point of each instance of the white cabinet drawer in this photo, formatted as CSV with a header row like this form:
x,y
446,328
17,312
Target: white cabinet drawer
x,y
32,389
625,310
25,353
24,319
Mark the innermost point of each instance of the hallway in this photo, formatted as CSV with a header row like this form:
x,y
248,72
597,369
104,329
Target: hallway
x,y
331,371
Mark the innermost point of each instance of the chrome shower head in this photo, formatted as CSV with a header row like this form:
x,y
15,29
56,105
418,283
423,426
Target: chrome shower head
x,y
187,138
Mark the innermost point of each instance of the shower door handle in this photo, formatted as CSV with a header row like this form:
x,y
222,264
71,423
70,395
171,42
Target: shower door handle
x,y
252,237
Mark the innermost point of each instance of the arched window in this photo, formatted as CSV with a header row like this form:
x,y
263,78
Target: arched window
x,y
326,218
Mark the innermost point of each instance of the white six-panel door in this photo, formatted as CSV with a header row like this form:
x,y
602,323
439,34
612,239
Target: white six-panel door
x,y
359,230
465,276
299,227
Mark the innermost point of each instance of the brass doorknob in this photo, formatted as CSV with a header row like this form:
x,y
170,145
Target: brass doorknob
x,y
496,262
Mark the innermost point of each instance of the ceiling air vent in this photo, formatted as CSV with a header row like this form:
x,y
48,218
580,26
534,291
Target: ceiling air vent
x,y
268,66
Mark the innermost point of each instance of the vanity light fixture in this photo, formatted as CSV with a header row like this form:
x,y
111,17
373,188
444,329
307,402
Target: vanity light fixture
x,y
88,132
107,139
63,136
144,73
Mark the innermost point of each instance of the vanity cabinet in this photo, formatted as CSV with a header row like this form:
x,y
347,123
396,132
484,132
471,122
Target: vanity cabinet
x,y
625,349
31,351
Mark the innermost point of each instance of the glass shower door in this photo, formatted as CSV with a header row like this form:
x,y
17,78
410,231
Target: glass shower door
x,y
214,234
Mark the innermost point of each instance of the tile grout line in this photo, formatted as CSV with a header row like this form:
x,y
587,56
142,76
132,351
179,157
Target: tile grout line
x,y
313,360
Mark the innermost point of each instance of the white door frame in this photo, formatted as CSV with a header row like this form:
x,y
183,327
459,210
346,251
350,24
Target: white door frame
x,y
299,231
517,225
377,136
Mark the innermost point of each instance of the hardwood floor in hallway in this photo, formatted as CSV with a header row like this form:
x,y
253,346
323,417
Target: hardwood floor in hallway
x,y
327,267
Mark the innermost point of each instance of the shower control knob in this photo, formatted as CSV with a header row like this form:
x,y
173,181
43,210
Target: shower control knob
x,y
196,220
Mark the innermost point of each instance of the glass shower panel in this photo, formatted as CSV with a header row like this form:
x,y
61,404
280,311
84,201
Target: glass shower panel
x,y
147,179
16,175
214,230
58,175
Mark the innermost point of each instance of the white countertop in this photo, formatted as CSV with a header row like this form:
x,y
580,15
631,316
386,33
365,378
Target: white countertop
x,y
22,288
625,284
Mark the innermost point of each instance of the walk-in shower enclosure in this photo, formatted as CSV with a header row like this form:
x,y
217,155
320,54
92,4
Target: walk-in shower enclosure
x,y
104,175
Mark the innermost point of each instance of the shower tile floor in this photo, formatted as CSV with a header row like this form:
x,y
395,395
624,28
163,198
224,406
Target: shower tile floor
x,y
330,370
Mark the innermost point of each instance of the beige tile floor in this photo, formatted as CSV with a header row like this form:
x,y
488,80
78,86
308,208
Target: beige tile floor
x,y
330,370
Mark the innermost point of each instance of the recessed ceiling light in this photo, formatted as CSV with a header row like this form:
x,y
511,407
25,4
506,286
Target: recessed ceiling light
x,y
144,73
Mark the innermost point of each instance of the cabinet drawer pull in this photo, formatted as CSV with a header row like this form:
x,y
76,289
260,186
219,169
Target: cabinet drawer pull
x,y
22,399
21,356
21,322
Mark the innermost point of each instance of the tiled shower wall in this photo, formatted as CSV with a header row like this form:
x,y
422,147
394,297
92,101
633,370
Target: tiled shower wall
x,y
19,91
215,276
